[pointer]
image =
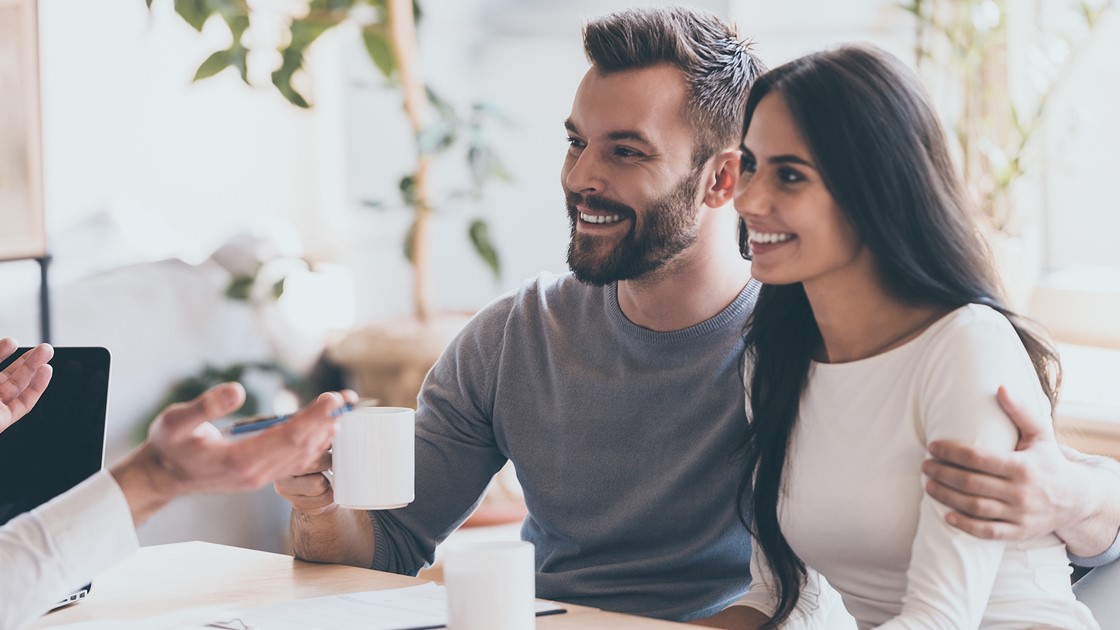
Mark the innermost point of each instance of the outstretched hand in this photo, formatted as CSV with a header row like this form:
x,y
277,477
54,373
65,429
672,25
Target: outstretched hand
x,y
22,382
185,454
1031,492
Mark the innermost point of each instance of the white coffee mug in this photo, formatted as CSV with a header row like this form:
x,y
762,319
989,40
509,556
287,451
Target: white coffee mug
x,y
374,458
490,585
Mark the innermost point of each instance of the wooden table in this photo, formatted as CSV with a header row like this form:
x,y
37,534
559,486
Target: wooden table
x,y
167,578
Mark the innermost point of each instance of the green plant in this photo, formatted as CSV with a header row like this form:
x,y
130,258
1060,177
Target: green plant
x,y
967,40
388,31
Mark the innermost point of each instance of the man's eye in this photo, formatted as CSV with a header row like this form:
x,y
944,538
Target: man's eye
x,y
626,152
575,143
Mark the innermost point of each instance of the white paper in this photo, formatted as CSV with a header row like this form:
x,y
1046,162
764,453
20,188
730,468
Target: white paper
x,y
178,620
412,607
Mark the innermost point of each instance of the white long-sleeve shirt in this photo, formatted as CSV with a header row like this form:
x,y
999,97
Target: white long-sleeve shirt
x,y
56,548
853,505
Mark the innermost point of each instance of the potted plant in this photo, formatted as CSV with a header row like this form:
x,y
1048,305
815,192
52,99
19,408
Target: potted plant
x,y
388,361
962,50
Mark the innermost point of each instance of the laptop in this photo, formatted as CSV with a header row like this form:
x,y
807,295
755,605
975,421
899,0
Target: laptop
x,y
61,441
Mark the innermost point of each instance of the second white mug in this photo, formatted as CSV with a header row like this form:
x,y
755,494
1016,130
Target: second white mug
x,y
374,458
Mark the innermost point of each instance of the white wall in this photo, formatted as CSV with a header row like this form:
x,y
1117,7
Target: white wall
x,y
123,124
783,31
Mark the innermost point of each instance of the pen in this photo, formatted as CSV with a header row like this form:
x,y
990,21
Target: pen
x,y
257,423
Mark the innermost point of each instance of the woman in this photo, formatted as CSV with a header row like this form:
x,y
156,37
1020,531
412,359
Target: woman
x,y
879,329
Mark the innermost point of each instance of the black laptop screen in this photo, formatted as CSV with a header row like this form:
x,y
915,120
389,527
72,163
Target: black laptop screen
x,y
61,442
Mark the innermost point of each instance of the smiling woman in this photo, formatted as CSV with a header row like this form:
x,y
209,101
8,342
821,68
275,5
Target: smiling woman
x,y
881,329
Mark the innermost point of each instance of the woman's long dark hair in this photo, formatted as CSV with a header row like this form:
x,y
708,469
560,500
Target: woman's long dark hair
x,y
883,156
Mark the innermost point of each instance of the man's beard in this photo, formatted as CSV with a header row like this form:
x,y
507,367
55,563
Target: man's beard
x,y
667,228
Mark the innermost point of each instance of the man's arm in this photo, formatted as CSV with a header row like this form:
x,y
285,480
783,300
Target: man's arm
x,y
1029,493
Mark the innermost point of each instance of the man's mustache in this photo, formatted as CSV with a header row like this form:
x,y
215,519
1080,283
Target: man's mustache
x,y
598,203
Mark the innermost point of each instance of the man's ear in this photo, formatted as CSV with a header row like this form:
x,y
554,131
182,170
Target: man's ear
x,y
721,183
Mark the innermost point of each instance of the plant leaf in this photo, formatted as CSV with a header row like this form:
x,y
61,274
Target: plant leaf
x,y
194,12
240,287
214,64
376,39
436,138
407,186
239,58
304,32
236,16
480,238
282,77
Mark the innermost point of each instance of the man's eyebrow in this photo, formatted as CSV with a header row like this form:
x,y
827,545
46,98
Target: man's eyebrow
x,y
629,134
615,136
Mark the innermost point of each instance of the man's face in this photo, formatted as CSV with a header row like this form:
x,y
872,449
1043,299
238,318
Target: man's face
x,y
631,188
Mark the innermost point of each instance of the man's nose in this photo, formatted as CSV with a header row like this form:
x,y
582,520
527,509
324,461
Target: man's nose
x,y
583,174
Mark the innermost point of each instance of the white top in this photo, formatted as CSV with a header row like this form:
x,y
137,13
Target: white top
x,y
56,548
853,505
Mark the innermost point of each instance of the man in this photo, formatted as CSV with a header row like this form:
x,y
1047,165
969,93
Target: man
x,y
59,546
616,391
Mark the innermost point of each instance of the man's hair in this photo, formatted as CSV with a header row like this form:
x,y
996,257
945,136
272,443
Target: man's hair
x,y
718,67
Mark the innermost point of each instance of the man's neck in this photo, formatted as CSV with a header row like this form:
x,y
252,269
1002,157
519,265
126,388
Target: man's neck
x,y
687,291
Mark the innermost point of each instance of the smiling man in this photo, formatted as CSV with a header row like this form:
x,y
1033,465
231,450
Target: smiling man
x,y
629,146
615,390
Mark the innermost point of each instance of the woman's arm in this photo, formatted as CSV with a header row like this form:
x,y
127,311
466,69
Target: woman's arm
x,y
951,573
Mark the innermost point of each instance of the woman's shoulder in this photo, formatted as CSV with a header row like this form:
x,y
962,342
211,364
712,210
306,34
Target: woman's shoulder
x,y
972,326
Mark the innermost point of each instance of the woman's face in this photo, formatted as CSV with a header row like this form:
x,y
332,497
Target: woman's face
x,y
797,232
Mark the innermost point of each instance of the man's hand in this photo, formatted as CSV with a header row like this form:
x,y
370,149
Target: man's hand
x,y
185,454
1032,492
321,530
22,382
308,489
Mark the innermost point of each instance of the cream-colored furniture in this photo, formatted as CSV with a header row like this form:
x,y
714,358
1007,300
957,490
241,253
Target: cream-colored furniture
x,y
166,578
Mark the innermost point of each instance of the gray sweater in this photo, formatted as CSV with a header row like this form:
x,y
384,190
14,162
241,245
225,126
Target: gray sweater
x,y
626,443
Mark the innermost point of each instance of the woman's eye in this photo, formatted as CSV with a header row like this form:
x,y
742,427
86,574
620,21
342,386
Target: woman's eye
x,y
789,176
575,143
747,164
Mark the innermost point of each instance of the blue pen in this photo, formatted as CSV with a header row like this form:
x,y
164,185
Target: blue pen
x,y
258,423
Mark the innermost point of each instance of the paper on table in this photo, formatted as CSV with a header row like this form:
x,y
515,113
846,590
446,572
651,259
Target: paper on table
x,y
409,608
178,620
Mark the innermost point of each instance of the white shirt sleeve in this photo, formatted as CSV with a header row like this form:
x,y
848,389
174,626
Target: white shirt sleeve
x,y
59,546
952,573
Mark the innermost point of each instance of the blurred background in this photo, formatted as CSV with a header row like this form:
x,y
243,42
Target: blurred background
x,y
239,189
